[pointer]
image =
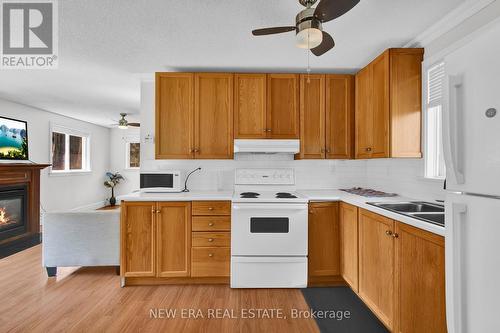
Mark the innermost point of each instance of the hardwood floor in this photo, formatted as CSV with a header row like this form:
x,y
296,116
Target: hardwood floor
x,y
90,300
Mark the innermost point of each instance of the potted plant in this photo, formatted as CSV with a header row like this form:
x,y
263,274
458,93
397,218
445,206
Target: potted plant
x,y
112,180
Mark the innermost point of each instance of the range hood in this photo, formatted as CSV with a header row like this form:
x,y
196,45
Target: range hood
x,y
266,146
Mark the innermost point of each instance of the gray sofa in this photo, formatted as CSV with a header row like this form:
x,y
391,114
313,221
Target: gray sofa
x,y
81,239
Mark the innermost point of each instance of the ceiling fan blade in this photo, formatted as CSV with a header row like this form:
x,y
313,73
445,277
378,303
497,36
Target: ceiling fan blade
x,y
134,124
270,31
328,10
326,45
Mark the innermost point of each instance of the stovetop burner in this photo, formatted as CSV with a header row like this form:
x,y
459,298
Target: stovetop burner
x,y
285,195
249,195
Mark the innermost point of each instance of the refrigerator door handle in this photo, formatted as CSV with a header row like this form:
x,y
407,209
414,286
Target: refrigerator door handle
x,y
454,270
452,117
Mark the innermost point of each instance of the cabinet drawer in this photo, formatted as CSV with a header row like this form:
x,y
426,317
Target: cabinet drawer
x,y
211,208
211,223
210,261
212,239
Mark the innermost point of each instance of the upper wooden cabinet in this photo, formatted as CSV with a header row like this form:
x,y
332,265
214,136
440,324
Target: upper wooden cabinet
x,y
312,116
388,105
283,106
324,240
174,115
420,281
250,106
326,116
339,116
194,115
213,116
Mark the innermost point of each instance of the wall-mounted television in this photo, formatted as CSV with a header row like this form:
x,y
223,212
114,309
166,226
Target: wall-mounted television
x,y
13,139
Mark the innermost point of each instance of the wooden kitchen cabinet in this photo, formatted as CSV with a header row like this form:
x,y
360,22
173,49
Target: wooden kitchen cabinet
x,y
250,106
388,105
283,106
312,116
194,116
323,240
326,116
213,116
420,281
173,239
174,116
376,265
349,244
138,242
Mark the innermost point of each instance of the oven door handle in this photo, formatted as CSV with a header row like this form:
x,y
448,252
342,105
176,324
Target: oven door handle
x,y
271,206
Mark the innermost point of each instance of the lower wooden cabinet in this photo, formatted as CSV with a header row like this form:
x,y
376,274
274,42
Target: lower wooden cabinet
x,y
163,241
324,240
420,281
211,261
349,244
376,265
173,231
138,254
401,274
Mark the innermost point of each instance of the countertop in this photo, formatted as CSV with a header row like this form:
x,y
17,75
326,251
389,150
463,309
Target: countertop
x,y
183,196
312,195
360,201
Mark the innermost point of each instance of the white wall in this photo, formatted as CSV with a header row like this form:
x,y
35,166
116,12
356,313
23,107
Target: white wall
x,y
118,141
64,192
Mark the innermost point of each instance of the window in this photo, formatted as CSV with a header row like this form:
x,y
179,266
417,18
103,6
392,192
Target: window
x,y
133,154
434,159
70,150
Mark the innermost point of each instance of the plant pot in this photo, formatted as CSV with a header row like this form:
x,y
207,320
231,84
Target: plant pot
x,y
112,201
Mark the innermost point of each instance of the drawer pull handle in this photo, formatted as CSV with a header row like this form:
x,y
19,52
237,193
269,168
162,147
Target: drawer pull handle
x,y
211,224
210,208
210,254
210,239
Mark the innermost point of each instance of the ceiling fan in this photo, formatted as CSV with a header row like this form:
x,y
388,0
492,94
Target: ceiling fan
x,y
124,124
308,24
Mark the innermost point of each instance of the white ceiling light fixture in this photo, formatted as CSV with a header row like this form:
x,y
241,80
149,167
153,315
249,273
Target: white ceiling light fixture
x,y
309,34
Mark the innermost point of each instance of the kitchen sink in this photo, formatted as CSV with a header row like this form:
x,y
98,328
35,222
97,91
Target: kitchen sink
x,y
425,211
411,207
432,218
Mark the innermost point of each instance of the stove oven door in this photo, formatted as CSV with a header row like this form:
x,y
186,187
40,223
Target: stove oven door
x,y
269,229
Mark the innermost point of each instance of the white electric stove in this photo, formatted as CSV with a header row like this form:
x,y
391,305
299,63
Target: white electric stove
x,y
268,230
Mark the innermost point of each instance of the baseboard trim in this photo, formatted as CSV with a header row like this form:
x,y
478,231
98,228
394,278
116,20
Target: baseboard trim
x,y
326,281
145,281
91,206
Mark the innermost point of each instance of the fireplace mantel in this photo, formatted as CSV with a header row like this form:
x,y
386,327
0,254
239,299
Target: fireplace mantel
x,y
27,174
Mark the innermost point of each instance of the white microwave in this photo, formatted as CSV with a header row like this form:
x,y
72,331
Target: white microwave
x,y
163,181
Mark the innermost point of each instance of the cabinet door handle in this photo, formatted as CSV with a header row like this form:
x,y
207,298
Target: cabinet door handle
x,y
158,211
388,233
210,254
196,150
192,150
265,129
210,224
395,235
210,239
311,211
328,150
368,149
323,150
268,130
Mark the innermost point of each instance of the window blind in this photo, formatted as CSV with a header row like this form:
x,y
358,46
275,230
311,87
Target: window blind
x,y
435,78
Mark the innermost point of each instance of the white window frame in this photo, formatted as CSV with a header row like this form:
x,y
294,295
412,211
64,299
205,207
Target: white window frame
x,y
128,141
433,159
86,142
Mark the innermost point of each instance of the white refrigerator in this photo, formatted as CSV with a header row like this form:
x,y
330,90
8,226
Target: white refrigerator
x,y
471,139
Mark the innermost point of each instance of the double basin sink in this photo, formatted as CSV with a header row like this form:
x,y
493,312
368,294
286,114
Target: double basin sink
x,y
425,211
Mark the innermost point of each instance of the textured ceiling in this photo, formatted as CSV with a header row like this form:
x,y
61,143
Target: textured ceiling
x,y
106,46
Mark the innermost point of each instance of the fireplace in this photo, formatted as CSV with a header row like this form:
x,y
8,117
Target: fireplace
x,y
19,206
13,211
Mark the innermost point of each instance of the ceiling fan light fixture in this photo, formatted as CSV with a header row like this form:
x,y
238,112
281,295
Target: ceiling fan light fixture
x,y
124,127
309,38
